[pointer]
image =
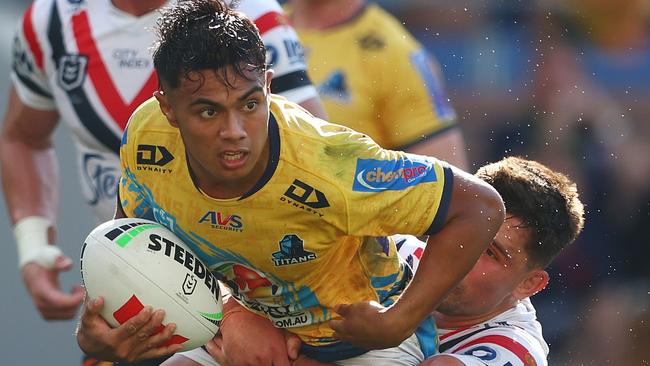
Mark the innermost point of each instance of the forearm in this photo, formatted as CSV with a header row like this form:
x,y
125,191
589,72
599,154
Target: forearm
x,y
475,216
28,162
29,179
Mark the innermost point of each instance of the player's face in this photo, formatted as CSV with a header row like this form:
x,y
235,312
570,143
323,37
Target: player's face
x,y
223,127
488,287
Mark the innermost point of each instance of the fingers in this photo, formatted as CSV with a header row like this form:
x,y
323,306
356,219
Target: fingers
x,y
50,301
133,325
63,263
293,345
152,326
215,349
342,309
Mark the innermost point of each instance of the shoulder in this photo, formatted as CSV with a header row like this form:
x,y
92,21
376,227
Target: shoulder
x,y
501,341
384,31
36,17
299,124
317,146
146,118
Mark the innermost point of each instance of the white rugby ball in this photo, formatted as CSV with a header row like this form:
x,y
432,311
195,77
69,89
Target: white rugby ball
x,y
133,263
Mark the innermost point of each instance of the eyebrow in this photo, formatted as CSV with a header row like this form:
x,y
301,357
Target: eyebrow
x,y
211,102
501,249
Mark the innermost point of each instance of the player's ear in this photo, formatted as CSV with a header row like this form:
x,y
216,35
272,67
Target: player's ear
x,y
163,102
268,76
535,281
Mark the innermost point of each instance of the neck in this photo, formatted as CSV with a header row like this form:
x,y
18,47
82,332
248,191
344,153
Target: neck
x,y
323,14
458,321
138,7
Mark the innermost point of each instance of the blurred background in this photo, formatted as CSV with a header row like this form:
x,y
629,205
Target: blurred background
x,y
565,82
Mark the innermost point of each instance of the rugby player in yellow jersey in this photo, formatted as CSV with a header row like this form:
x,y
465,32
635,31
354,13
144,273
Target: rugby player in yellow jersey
x,y
290,212
375,78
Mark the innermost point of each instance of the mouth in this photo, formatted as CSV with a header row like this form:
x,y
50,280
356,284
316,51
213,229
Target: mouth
x,y
232,156
233,159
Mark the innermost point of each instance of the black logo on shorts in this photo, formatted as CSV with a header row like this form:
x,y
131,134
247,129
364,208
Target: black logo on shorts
x,y
189,284
72,71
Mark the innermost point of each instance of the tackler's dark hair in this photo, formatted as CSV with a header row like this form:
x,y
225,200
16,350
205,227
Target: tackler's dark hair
x,y
546,201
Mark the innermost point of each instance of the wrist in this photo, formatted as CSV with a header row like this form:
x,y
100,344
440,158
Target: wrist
x,y
402,322
32,242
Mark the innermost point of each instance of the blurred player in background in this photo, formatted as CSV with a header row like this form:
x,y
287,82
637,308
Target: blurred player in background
x,y
88,63
314,202
374,77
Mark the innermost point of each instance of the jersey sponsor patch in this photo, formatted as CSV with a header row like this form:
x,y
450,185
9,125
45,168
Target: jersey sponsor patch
x,y
292,251
395,175
222,221
101,178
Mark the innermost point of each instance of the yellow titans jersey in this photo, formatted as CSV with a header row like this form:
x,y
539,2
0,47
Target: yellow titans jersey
x,y
311,234
374,77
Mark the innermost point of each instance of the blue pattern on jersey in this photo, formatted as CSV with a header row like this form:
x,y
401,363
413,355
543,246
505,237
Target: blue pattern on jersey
x,y
335,87
295,300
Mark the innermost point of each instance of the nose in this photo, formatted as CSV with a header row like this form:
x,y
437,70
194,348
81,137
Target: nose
x,y
232,128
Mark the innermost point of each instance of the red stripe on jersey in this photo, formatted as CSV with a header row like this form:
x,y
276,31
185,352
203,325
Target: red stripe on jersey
x,y
270,20
119,110
506,342
30,35
445,336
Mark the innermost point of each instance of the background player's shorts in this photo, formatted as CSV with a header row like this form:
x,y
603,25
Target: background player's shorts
x,y
406,354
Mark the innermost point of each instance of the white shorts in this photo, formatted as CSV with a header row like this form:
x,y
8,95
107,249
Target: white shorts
x,y
406,354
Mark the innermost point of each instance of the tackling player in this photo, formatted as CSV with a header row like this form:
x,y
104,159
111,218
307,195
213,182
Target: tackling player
x,y
374,77
289,211
488,319
88,63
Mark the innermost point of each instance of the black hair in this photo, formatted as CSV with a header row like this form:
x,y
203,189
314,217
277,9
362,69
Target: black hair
x,y
198,35
546,201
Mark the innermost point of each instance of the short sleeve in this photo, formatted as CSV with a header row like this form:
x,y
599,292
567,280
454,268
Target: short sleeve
x,y
416,105
395,192
134,197
28,62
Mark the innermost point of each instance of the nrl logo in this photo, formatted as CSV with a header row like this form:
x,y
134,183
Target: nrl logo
x,y
189,284
72,71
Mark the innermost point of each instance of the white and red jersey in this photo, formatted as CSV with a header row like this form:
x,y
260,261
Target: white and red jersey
x,y
91,62
512,338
